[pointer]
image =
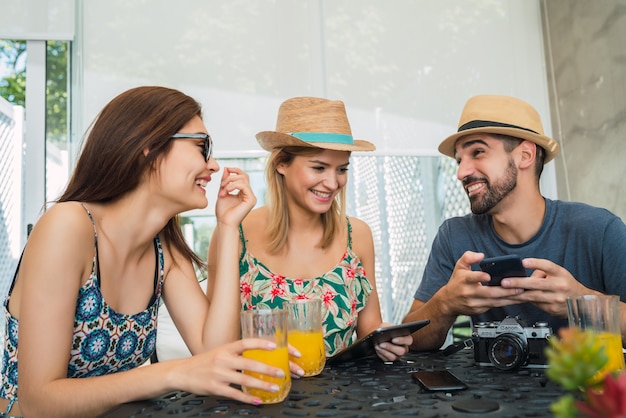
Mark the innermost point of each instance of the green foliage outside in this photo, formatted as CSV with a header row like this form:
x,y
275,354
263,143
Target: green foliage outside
x,y
13,85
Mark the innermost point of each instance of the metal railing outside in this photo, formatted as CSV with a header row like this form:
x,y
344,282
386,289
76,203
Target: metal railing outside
x,y
11,142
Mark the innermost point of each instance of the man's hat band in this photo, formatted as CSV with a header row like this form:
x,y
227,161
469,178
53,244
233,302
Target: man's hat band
x,y
487,124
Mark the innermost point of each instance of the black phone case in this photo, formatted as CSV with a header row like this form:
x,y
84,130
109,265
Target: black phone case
x,y
438,380
501,267
365,346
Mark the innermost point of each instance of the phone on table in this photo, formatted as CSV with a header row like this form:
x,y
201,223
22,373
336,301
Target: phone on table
x,y
364,347
501,267
438,380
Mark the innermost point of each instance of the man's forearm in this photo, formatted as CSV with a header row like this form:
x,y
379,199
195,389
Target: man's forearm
x,y
432,336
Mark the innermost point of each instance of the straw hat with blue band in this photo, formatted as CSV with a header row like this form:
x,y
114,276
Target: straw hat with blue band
x,y
312,122
501,115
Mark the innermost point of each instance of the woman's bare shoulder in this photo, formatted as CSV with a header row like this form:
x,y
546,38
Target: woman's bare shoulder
x,y
61,243
64,219
360,228
362,239
256,220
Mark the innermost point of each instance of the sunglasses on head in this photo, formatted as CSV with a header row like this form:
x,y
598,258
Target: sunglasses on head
x,y
208,142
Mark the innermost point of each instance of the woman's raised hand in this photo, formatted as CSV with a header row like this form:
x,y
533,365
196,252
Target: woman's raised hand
x,y
235,197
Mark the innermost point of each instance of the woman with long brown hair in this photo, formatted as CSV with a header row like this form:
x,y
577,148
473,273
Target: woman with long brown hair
x,y
98,262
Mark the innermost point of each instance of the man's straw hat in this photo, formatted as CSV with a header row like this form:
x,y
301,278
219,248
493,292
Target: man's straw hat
x,y
312,122
501,115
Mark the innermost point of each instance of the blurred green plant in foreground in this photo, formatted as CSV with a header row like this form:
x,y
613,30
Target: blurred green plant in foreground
x,y
574,359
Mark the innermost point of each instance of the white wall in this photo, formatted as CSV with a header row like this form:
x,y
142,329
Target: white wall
x,y
403,67
37,19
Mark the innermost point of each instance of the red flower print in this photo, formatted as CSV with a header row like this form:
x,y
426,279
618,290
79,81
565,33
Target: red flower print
x,y
350,273
278,280
301,297
298,282
277,291
246,289
328,297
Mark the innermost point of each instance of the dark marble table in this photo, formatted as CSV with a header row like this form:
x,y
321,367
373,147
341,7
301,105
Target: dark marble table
x,y
371,388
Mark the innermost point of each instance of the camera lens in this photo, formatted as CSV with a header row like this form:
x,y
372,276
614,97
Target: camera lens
x,y
507,352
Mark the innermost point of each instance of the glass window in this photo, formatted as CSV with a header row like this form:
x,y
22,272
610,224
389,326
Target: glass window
x,y
14,154
13,71
57,122
13,54
12,101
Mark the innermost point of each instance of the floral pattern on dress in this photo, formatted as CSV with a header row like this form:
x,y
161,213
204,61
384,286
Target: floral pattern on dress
x,y
344,291
106,341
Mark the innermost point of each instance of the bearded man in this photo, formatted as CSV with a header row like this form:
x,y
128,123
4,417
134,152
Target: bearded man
x,y
568,249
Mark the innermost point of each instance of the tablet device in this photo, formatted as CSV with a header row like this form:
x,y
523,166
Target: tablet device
x,y
364,347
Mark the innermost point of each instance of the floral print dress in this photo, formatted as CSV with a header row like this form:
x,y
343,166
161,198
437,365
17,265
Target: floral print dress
x,y
344,291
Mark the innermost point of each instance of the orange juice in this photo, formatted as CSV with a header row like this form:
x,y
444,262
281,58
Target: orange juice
x,y
311,346
613,348
277,358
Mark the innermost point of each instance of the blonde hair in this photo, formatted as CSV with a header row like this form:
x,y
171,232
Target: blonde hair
x,y
276,199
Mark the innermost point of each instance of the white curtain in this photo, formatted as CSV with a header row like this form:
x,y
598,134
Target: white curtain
x,y
37,20
404,68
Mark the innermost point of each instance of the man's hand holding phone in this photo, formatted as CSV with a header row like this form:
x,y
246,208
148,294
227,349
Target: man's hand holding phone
x,y
500,267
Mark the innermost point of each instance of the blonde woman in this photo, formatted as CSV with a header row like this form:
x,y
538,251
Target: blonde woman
x,y
302,245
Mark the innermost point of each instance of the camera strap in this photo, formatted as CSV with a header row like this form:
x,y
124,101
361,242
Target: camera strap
x,y
453,348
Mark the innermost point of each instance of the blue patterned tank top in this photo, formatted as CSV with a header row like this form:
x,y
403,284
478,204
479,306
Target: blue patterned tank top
x,y
104,341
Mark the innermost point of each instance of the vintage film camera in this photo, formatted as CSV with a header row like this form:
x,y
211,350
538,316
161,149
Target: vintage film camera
x,y
510,344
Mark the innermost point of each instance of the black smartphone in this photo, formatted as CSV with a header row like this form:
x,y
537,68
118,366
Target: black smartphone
x,y
364,347
381,335
438,380
501,267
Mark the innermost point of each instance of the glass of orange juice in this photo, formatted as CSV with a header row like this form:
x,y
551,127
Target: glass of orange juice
x,y
269,324
600,314
305,334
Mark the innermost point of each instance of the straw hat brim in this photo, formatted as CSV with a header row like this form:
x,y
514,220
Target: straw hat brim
x,y
271,139
447,146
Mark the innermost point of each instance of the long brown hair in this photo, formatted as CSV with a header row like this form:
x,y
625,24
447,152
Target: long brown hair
x,y
112,161
277,200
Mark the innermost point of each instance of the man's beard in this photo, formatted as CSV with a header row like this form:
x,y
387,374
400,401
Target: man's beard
x,y
494,193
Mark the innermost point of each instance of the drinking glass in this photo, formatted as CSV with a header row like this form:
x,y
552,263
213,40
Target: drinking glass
x,y
305,334
269,324
599,314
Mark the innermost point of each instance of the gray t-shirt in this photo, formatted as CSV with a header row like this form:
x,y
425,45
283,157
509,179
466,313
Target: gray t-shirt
x,y
589,242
